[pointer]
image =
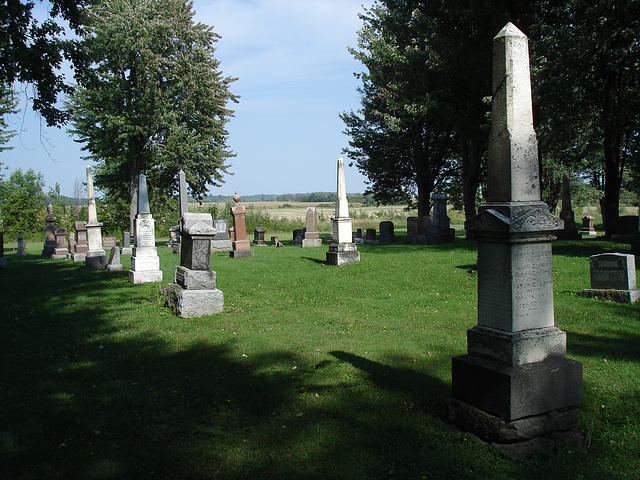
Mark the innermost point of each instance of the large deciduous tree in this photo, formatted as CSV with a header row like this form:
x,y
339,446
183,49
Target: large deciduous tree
x,y
154,100
33,51
588,59
400,138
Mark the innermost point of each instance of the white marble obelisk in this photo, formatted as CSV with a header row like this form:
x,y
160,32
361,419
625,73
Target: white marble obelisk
x,y
145,263
96,256
516,382
342,250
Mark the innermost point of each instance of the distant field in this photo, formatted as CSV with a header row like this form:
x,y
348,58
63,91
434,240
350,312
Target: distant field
x,y
293,210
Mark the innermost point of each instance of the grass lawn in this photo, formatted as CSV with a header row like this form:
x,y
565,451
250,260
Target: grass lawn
x,y
311,372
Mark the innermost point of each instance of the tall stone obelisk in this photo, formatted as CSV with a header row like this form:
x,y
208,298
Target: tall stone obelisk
x,y
515,383
145,263
342,250
96,257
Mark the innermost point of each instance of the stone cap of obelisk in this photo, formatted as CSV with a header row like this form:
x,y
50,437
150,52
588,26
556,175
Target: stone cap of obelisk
x,y
143,195
342,206
182,189
91,208
513,172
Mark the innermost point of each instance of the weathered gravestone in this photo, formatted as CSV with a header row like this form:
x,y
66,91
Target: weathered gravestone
x,y
258,237
371,235
587,226
3,259
145,263
613,277
95,257
109,242
298,236
50,233
79,251
311,234
515,383
60,251
570,230
240,243
440,230
72,243
342,251
174,238
114,260
21,245
221,241
125,244
387,234
194,291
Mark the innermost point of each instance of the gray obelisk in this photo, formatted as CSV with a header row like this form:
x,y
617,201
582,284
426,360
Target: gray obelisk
x,y
145,263
96,257
342,250
182,193
515,383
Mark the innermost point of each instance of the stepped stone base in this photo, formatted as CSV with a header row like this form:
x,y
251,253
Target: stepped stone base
x,y
193,303
96,262
342,254
145,276
312,242
494,429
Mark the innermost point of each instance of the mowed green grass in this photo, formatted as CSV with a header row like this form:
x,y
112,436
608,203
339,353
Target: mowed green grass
x,y
311,371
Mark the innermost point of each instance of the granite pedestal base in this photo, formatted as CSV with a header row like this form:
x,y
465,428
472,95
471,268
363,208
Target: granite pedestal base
x,y
193,303
496,430
126,250
342,254
114,268
447,236
523,398
620,296
78,257
95,262
312,242
242,253
221,245
144,276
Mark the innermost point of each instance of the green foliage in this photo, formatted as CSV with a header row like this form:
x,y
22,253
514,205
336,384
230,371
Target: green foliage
x,y
33,51
400,138
8,104
22,203
154,101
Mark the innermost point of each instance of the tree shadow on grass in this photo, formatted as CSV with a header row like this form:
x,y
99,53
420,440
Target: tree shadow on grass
x,y
587,248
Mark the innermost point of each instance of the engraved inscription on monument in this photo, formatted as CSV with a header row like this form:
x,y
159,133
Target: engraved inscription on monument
x,y
145,237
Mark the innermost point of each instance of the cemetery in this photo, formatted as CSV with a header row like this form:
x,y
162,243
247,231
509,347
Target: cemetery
x,y
351,368
406,347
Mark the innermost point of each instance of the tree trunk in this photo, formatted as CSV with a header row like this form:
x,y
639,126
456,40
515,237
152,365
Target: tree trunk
x,y
472,153
612,180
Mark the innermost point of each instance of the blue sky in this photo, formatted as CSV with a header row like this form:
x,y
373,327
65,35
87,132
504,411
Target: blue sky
x,y
295,76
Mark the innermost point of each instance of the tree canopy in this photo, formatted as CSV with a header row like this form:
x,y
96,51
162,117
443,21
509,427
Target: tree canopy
x,y
153,101
32,51
22,202
431,61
